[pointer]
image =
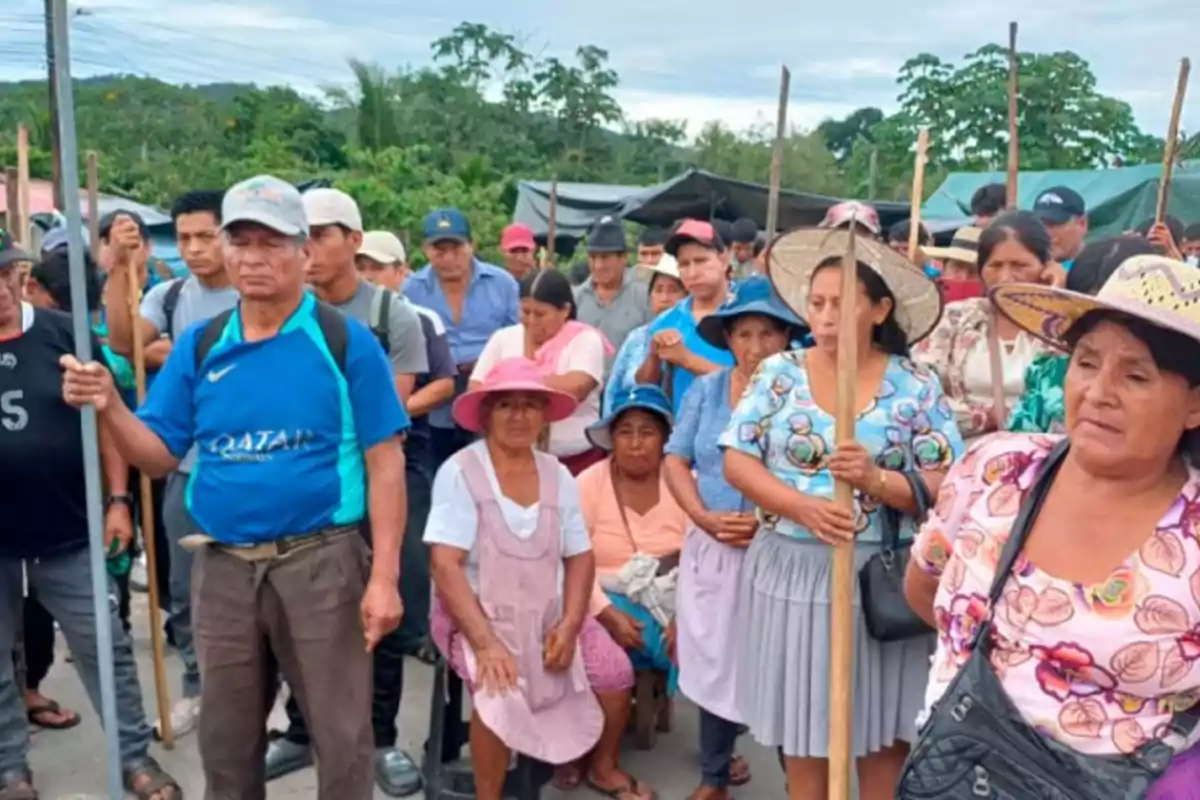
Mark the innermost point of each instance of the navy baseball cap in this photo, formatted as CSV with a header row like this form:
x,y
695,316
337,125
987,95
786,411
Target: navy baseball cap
x,y
445,225
1059,204
9,252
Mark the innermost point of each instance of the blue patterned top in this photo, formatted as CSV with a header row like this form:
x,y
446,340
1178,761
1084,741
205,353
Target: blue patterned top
x,y
698,425
623,375
909,425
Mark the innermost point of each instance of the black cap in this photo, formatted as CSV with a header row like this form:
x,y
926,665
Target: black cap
x,y
1059,204
9,252
743,231
724,230
653,237
106,223
607,236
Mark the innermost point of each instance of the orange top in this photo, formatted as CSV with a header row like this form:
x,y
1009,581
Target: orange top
x,y
658,532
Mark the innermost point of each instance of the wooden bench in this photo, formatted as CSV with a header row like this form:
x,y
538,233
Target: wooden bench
x,y
653,710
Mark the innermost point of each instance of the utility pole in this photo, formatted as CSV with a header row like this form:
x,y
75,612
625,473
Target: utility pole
x,y
52,84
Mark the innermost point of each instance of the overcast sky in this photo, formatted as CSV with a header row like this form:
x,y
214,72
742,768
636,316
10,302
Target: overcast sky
x,y
696,60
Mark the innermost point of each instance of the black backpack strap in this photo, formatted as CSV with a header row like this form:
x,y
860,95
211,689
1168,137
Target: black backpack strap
x,y
381,318
211,334
336,333
170,303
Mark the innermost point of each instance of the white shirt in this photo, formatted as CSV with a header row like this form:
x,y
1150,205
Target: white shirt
x,y
454,520
1015,357
585,353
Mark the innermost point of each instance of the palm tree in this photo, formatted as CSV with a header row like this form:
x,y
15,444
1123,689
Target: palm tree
x,y
375,103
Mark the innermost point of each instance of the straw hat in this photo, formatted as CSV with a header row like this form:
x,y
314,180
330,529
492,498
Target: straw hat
x,y
963,247
511,375
1159,290
794,257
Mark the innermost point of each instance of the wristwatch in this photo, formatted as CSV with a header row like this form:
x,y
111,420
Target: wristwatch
x,y
119,499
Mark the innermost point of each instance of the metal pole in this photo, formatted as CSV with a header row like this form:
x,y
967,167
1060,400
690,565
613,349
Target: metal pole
x,y
83,351
55,124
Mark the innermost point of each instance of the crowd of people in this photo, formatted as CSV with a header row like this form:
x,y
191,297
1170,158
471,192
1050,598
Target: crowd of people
x,y
554,481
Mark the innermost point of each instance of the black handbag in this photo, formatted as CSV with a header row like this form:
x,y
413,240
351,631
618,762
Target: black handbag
x,y
975,743
881,579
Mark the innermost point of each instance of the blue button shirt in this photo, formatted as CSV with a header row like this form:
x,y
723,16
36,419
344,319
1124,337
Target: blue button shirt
x,y
698,425
280,431
679,317
490,304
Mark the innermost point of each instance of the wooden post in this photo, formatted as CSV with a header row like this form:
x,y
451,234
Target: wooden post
x,y
550,256
149,545
1172,143
841,616
11,213
93,208
918,192
772,225
24,215
1013,151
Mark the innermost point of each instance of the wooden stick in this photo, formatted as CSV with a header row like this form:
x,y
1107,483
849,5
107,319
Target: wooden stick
x,y
1172,143
24,217
162,690
841,615
918,192
11,203
1013,149
550,256
93,208
785,84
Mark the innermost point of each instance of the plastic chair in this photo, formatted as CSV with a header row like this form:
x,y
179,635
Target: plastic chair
x,y
447,775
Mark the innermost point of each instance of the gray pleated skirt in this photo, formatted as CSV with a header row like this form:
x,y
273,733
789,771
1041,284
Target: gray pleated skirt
x,y
783,655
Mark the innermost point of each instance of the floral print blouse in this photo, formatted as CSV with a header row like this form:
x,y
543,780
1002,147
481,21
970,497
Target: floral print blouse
x,y
1042,407
908,426
1100,668
957,351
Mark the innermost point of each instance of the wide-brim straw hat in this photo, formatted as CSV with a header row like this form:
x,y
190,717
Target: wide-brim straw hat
x,y
963,247
795,255
1159,290
510,375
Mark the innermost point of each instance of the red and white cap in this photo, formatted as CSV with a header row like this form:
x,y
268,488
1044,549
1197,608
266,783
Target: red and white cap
x,y
841,213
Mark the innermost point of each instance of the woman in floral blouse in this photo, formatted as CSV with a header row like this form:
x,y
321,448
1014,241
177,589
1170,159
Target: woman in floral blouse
x,y
1097,634
1040,409
1014,249
782,454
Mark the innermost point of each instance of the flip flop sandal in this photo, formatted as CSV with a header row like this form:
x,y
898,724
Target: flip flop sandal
x,y
158,783
426,653
17,784
634,787
742,766
563,783
51,707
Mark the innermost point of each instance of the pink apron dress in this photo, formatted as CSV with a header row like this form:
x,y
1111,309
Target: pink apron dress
x,y
553,717
710,577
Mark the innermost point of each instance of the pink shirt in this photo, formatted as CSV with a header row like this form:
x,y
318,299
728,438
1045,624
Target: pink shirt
x,y
1101,668
658,532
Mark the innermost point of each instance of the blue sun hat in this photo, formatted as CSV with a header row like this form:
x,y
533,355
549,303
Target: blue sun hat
x,y
645,396
754,295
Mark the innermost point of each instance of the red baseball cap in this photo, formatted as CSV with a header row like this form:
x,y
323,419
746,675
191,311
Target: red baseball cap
x,y
517,236
694,230
840,214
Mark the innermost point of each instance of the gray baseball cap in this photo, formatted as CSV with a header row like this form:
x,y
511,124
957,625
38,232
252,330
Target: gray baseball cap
x,y
265,200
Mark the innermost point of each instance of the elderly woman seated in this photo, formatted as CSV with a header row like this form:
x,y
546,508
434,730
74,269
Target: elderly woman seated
x,y
513,571
636,526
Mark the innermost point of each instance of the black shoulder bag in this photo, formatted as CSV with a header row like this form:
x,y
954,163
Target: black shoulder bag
x,y
881,579
975,743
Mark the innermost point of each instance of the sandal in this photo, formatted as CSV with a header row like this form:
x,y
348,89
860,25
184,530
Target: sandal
x,y
632,790
567,778
739,771
36,713
17,784
146,780
426,653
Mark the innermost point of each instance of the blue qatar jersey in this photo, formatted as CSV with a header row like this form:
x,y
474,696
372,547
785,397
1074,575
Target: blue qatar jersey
x,y
280,431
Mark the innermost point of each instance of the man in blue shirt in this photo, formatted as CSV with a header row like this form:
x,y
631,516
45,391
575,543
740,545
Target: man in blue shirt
x,y
473,298
296,421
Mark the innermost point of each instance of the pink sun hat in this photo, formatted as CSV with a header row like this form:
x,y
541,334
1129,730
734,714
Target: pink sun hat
x,y
511,375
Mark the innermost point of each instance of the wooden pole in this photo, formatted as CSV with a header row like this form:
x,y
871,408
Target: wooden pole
x,y
1013,151
841,615
162,690
12,211
785,85
550,256
918,192
24,217
1172,143
93,207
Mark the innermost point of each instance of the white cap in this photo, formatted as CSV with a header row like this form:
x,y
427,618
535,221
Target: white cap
x,y
667,265
332,207
383,246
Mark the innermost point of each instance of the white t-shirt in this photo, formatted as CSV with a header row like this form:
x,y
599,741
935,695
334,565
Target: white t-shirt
x,y
454,520
585,353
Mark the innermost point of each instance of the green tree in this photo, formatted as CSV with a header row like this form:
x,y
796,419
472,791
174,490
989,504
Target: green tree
x,y
841,134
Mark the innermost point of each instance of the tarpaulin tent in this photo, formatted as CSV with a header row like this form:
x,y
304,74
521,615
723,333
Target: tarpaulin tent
x,y
579,205
1117,199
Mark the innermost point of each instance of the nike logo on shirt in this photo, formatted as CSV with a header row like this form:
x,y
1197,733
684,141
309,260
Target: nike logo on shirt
x,y
215,375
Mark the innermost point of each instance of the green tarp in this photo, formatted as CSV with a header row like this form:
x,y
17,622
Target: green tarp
x,y
1117,199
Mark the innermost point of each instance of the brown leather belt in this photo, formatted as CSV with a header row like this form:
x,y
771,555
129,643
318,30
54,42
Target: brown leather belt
x,y
267,551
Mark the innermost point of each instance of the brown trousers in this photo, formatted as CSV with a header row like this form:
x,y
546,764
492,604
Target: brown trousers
x,y
297,614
